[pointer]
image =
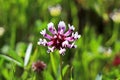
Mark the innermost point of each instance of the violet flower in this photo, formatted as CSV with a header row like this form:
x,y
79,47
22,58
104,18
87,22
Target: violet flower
x,y
38,66
59,39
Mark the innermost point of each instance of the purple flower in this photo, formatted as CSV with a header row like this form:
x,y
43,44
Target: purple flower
x,y
60,39
38,66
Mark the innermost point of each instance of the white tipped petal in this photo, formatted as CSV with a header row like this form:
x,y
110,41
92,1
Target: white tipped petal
x,y
61,27
71,27
73,34
76,36
44,42
79,36
61,24
39,42
50,25
65,43
50,49
62,51
73,45
43,32
51,28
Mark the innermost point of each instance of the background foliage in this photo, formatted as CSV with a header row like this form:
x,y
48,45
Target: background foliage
x,y
98,22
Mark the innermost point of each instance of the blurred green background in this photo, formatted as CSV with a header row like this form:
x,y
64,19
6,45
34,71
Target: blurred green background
x,y
96,57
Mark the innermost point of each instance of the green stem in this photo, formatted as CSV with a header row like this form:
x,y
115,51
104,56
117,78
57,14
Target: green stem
x,y
114,34
71,78
13,36
13,70
61,67
33,76
53,64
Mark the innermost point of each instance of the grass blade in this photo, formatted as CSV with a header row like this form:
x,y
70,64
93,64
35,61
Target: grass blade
x,y
11,59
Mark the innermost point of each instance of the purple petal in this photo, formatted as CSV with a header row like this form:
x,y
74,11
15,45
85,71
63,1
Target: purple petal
x,y
48,36
51,28
71,29
43,32
61,27
49,43
72,45
70,39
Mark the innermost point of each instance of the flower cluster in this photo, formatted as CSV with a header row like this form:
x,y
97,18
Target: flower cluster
x,y
38,66
60,38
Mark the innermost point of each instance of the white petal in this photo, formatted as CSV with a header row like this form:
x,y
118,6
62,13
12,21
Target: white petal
x,y
44,42
71,27
73,45
40,41
61,25
76,36
50,49
50,26
62,51
43,32
73,34
65,43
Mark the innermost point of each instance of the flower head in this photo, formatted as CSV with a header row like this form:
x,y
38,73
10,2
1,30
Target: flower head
x,y
38,66
116,60
60,39
55,10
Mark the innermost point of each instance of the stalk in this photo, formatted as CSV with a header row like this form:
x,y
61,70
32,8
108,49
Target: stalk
x,y
61,67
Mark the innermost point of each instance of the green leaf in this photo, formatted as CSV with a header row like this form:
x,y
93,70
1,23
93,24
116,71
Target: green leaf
x,y
49,76
65,69
11,59
53,63
15,56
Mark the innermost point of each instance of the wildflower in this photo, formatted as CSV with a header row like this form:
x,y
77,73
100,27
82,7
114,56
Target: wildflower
x,y
55,10
59,39
116,60
38,66
106,51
